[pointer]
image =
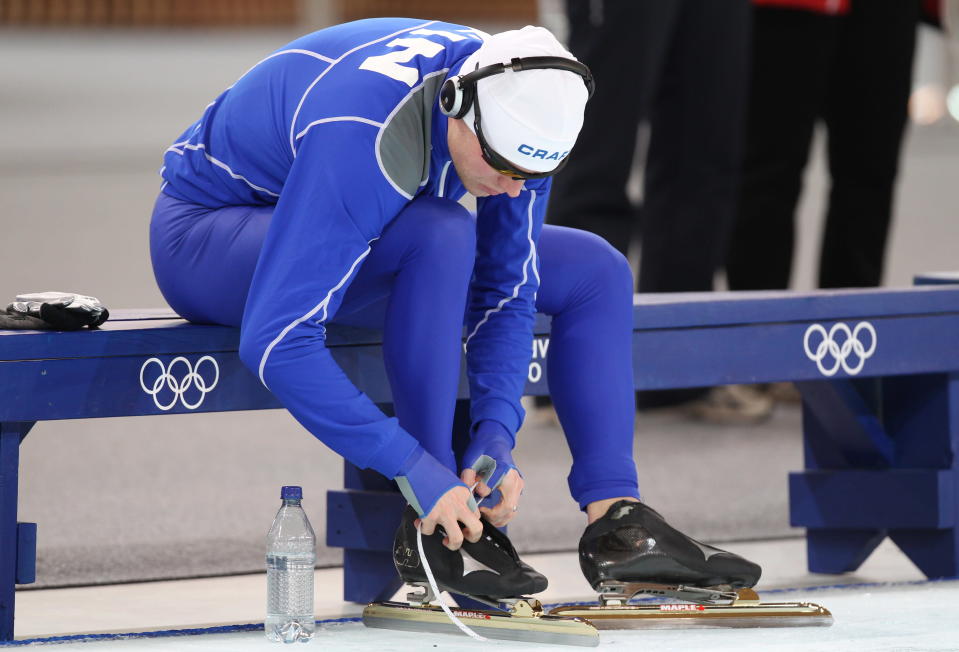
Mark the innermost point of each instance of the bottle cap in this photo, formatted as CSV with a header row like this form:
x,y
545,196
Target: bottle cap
x,y
291,493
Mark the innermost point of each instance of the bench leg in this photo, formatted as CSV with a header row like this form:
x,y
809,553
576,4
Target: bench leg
x,y
934,552
362,521
882,458
369,576
11,434
840,551
920,413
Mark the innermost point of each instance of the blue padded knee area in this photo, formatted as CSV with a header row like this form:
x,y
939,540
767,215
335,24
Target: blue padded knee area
x,y
440,228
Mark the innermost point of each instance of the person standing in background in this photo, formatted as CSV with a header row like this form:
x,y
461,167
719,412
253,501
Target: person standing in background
x,y
848,63
681,66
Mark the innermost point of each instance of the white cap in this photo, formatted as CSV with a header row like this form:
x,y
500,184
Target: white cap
x,y
530,117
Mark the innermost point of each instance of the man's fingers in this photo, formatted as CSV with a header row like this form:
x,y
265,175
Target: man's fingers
x,y
473,535
499,515
511,489
472,526
492,516
451,510
469,478
454,536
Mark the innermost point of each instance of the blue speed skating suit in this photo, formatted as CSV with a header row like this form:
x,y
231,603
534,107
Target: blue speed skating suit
x,y
320,188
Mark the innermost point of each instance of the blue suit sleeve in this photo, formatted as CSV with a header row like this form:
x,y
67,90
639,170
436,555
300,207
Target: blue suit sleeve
x,y
502,303
318,238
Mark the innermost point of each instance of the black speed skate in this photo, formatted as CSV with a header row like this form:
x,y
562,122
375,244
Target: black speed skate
x,y
488,571
489,568
633,543
632,550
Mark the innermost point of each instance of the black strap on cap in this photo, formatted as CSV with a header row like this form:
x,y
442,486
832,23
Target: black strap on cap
x,y
531,63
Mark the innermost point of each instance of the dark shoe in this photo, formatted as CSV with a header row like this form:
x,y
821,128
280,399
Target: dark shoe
x,y
633,543
488,568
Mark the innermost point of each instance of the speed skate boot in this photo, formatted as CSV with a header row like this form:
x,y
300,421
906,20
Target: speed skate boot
x,y
488,571
634,543
632,550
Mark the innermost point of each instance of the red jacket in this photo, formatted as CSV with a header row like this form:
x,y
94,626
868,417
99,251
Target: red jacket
x,y
835,7
930,10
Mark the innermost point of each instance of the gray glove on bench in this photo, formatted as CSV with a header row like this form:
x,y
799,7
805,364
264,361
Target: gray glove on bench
x,y
54,310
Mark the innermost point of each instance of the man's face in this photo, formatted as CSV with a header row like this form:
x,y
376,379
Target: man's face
x,y
479,178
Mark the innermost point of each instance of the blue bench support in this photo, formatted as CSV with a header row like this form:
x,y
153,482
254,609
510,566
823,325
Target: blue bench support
x,y
362,520
880,431
17,540
877,471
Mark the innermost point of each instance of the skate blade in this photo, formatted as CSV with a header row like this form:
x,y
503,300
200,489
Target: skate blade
x,y
538,628
701,616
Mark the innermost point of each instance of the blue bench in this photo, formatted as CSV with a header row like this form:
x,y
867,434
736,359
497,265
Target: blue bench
x,y
878,371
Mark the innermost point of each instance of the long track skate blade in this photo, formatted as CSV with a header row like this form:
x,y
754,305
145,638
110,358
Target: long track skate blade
x,y
700,616
543,628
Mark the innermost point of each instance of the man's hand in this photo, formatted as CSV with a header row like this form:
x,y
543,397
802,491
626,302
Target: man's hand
x,y
439,498
488,461
510,487
452,509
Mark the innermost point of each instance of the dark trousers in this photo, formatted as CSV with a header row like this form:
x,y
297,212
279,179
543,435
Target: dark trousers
x,y
681,65
854,73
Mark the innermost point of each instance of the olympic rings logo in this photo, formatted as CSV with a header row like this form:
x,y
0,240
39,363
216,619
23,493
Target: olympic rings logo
x,y
178,388
837,345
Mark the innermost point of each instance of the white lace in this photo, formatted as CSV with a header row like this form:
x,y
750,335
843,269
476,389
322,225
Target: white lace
x,y
436,591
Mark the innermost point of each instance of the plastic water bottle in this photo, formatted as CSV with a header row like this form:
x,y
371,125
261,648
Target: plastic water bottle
x,y
290,559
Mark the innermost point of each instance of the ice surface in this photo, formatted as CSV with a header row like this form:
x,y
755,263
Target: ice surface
x,y
908,617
